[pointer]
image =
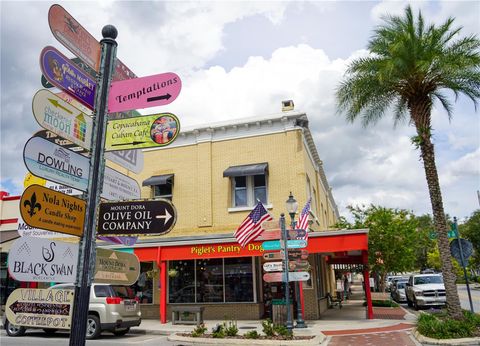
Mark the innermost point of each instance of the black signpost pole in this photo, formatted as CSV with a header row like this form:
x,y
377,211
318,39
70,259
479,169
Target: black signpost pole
x,y
284,237
86,259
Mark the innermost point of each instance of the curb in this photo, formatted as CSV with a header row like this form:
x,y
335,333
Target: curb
x,y
316,340
431,341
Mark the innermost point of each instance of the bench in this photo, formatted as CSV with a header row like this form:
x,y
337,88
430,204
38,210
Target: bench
x,y
334,301
178,311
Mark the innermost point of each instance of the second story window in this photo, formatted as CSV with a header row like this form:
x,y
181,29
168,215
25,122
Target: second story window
x,y
249,184
162,186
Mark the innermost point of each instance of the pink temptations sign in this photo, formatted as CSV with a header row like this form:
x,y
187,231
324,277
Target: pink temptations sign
x,y
144,92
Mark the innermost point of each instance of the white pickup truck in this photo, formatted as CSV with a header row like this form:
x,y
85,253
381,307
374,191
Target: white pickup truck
x,y
425,290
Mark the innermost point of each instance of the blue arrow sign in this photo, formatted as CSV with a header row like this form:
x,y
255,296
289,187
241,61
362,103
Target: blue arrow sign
x,y
276,244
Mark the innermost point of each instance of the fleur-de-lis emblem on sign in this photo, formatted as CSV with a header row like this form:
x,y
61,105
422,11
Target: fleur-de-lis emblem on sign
x,y
32,203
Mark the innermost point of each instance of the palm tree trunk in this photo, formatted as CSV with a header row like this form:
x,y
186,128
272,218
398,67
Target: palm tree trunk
x,y
454,308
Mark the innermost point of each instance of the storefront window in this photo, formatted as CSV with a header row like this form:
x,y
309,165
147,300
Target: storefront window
x,y
210,280
143,288
181,275
238,280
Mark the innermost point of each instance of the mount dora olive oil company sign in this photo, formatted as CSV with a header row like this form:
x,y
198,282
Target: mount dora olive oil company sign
x,y
52,162
42,260
51,210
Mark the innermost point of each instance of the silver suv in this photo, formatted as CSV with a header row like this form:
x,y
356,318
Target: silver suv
x,y
112,308
425,290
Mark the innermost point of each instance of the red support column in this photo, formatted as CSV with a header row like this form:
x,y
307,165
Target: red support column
x,y
368,296
163,292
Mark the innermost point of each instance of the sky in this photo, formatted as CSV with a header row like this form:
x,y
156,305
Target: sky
x,y
241,59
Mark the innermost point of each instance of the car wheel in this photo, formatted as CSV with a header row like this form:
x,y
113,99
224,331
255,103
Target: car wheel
x,y
120,332
93,327
50,331
13,329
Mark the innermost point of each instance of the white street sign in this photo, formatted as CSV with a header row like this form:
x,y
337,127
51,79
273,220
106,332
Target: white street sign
x,y
117,186
273,266
25,230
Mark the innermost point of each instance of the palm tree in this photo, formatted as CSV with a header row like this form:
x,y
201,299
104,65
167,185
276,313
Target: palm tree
x,y
409,67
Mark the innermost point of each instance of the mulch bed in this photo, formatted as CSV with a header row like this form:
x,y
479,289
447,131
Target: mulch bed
x,y
385,313
209,336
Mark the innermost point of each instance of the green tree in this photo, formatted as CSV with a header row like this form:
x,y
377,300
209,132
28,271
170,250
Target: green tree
x,y
392,238
471,231
425,244
410,66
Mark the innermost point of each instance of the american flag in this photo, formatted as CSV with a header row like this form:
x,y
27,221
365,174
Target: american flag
x,y
303,219
251,226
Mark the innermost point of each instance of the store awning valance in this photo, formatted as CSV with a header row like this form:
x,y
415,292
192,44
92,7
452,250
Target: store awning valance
x,y
245,170
158,180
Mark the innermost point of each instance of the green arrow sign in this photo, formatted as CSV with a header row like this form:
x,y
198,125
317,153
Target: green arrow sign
x,y
451,234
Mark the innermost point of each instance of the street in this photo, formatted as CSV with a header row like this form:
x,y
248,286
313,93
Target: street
x,y
38,337
463,294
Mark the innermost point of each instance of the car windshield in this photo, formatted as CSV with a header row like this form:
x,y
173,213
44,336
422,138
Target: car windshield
x,y
434,279
400,284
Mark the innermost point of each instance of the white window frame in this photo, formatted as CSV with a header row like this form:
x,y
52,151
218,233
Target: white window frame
x,y
250,192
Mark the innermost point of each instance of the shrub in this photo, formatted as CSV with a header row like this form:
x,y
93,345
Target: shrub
x,y
268,328
443,327
199,330
253,334
283,331
218,331
230,329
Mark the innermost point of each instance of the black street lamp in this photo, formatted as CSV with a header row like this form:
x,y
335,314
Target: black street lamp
x,y
292,206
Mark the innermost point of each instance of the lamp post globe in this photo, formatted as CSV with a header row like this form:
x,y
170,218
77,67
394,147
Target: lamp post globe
x,y
291,205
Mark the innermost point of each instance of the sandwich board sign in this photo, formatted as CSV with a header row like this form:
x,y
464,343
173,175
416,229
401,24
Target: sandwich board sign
x,y
144,92
40,308
47,209
52,162
136,217
65,75
116,267
25,230
80,42
54,114
156,130
42,260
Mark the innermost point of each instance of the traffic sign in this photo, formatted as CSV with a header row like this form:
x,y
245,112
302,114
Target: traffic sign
x,y
156,130
280,276
56,139
52,162
451,234
42,260
273,256
136,217
64,74
54,114
25,230
129,159
276,244
40,308
467,250
116,267
273,266
47,209
80,42
303,254
144,92
118,186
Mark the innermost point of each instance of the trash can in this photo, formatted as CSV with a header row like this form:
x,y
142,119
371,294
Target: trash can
x,y
279,312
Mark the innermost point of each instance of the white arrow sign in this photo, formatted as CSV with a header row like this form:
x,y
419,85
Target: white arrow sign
x,y
273,266
166,217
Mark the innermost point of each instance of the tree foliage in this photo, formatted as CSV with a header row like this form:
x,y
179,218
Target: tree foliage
x,y
471,231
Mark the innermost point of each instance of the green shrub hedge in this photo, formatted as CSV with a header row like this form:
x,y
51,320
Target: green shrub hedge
x,y
440,326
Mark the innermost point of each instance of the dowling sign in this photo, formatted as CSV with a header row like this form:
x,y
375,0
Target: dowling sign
x,y
42,260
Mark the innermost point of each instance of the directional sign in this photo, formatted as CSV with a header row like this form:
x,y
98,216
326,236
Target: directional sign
x,y
271,225
274,234
64,74
68,98
292,276
136,217
156,130
25,230
276,244
54,114
56,139
144,92
52,162
129,159
62,188
298,265
296,233
451,234
40,308
80,42
303,254
467,249
116,267
79,63
42,260
47,209
118,186
273,266
31,179
272,256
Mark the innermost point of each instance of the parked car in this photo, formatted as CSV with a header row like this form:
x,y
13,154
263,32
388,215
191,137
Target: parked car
x,y
398,290
112,308
425,290
389,281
